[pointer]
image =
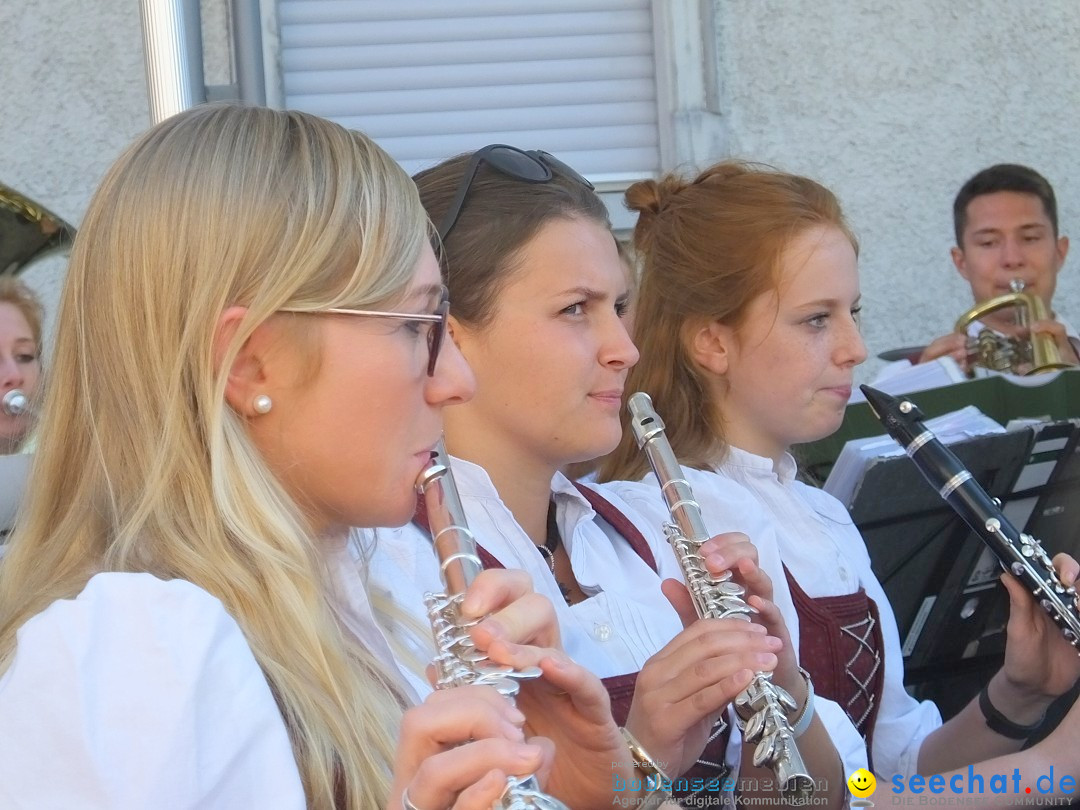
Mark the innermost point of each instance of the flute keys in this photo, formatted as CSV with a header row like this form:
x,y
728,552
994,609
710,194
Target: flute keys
x,y
765,751
755,728
730,587
784,698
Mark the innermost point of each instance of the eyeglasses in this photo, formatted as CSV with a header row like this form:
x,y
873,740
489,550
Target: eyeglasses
x,y
533,166
435,336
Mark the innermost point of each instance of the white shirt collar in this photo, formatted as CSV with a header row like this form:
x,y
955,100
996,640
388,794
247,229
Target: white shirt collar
x,y
761,466
472,479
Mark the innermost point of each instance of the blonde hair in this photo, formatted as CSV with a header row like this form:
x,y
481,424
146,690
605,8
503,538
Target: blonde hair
x,y
142,466
19,295
708,247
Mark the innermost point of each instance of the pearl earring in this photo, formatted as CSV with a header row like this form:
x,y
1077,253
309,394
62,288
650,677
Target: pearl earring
x,y
262,404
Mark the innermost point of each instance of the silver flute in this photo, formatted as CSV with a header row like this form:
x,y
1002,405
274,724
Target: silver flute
x,y
457,661
15,402
763,706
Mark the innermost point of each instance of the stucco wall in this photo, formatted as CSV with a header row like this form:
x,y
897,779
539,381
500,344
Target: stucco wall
x,y
894,106
74,96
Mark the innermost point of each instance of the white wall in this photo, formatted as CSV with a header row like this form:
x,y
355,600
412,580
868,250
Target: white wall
x,y
74,95
894,106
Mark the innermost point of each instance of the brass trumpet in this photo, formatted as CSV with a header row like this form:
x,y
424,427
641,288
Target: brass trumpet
x,y
28,231
1036,354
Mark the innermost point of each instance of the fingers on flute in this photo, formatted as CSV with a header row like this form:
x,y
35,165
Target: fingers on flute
x,y
512,611
735,552
703,669
484,794
468,775
769,615
564,678
448,718
493,590
680,599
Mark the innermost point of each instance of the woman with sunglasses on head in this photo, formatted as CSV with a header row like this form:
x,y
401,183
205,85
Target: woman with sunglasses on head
x,y
540,296
748,312
248,362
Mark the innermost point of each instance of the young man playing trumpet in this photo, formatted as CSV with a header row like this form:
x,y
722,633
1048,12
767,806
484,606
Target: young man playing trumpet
x,y
1007,240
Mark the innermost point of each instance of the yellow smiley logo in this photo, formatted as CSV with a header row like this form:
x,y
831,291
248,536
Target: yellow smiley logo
x,y
862,783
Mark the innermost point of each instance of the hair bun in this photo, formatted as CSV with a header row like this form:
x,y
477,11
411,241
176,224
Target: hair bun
x,y
649,198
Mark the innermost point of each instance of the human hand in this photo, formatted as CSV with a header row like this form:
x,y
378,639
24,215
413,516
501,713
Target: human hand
x,y
1039,663
1056,330
684,687
735,551
457,749
510,611
569,707
954,345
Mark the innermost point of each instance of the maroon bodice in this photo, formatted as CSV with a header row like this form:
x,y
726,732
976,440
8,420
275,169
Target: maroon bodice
x,y
840,645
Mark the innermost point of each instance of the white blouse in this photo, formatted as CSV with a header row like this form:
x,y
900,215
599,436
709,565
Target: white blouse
x,y
810,531
625,619
140,693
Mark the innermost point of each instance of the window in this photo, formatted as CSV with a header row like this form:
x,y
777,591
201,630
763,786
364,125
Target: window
x,y
429,78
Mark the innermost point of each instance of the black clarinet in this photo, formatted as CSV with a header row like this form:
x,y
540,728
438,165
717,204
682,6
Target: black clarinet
x,y
1020,554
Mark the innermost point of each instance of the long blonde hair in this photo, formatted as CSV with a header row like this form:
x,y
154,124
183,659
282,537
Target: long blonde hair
x,y
143,467
708,247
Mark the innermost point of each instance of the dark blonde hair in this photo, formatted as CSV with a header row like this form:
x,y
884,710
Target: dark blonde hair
x,y
19,295
708,247
500,216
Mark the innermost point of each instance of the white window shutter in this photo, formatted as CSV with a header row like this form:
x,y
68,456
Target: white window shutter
x,y
429,79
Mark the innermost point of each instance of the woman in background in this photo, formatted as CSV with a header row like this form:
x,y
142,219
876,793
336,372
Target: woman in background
x,y
20,359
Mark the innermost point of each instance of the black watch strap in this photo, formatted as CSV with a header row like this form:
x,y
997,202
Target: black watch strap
x,y
1001,724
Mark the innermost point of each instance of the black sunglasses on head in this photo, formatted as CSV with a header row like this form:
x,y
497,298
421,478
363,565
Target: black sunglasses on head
x,y
533,166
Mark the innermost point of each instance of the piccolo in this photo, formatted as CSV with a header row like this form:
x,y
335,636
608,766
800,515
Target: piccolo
x,y
762,707
15,402
457,661
1020,554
